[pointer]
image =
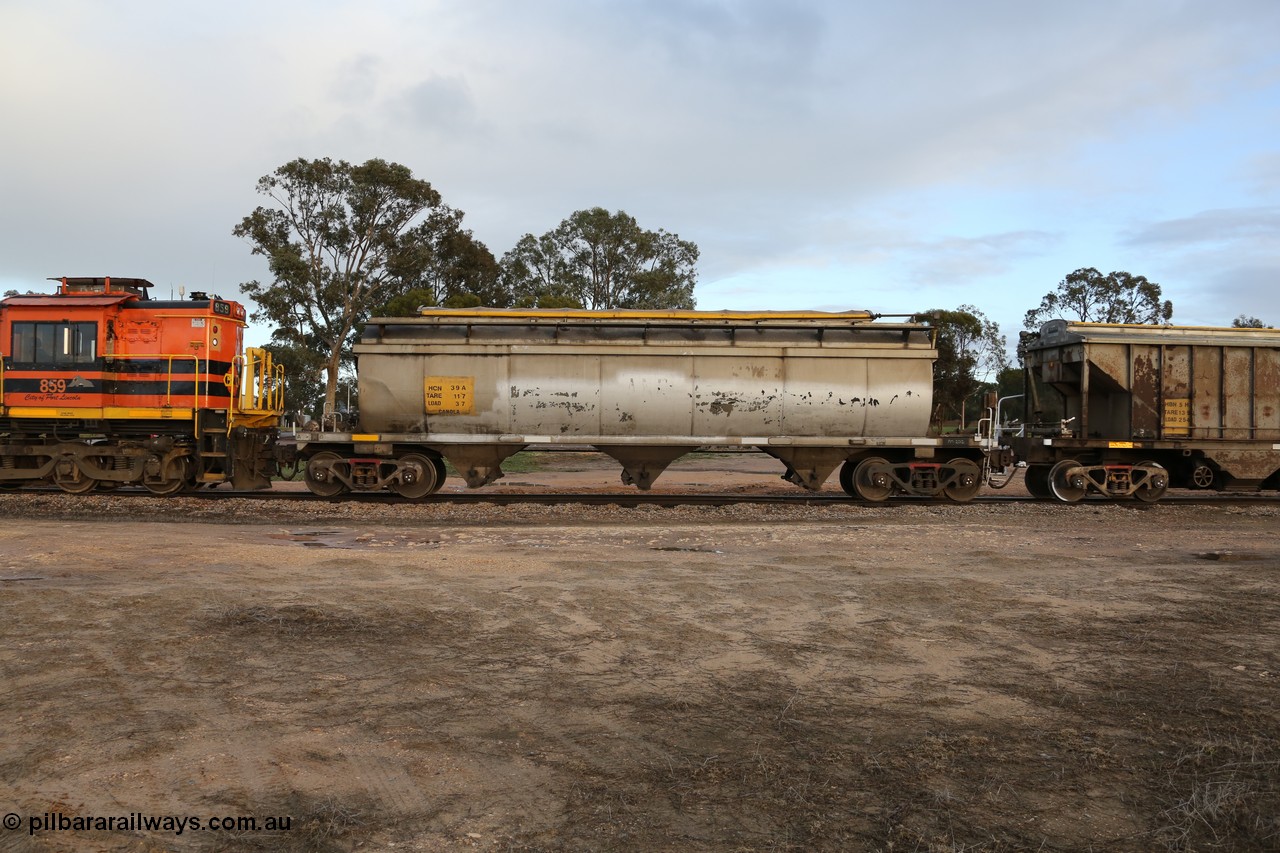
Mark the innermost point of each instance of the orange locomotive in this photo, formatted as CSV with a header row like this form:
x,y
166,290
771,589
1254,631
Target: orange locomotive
x,y
102,386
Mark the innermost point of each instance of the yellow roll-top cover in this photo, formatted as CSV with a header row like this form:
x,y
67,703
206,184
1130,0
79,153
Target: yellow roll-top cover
x,y
557,315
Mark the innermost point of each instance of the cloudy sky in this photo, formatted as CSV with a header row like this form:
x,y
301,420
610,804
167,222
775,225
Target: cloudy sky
x,y
891,156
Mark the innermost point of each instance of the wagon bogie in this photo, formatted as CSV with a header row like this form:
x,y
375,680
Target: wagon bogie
x,y
333,468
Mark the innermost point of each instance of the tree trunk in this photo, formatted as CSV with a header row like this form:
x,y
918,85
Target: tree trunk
x,y
331,382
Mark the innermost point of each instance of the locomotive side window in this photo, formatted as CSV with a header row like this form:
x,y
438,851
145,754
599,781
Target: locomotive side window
x,y
55,343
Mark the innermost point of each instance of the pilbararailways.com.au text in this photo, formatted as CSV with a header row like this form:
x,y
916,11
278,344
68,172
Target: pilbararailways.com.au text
x,y
139,822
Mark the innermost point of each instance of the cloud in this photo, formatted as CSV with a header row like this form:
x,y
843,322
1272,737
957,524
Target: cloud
x,y
957,261
788,140
1217,264
1211,226
1262,173
439,105
1247,287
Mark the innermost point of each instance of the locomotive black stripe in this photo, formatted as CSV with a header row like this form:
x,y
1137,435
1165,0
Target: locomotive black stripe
x,y
212,386
161,388
178,367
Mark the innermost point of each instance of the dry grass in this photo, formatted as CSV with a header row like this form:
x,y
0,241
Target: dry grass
x,y
317,824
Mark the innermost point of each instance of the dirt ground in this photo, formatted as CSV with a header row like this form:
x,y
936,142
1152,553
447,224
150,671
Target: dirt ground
x,y
433,677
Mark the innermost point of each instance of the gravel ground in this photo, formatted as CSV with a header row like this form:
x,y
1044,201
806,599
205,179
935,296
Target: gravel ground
x,y
1024,676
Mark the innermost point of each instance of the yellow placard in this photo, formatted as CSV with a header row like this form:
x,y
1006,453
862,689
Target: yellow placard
x,y
1128,445
450,395
1177,416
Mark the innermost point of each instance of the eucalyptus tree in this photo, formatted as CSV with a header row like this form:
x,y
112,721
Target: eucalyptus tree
x,y
341,240
1088,295
600,260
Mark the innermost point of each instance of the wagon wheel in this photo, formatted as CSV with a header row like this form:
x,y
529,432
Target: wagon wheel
x,y
417,476
846,478
1064,488
968,481
441,473
319,478
1159,484
872,485
171,487
1037,481
1202,476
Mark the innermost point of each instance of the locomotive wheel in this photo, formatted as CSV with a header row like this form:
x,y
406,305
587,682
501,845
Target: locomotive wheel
x,y
1159,484
968,481
81,486
871,486
1037,481
1202,476
320,481
171,487
1067,490
417,477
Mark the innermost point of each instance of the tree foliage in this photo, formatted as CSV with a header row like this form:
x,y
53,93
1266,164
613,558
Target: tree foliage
x,y
971,355
601,260
1244,321
411,302
455,268
341,239
1117,297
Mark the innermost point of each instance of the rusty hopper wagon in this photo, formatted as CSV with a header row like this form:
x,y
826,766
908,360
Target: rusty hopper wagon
x,y
817,391
1147,407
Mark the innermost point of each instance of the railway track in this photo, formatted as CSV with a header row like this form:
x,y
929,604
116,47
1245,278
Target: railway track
x,y
638,499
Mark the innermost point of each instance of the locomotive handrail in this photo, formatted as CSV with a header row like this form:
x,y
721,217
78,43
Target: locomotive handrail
x,y
261,388
168,392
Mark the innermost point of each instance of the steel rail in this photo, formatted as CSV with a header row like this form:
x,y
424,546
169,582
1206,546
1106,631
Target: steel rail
x,y
637,499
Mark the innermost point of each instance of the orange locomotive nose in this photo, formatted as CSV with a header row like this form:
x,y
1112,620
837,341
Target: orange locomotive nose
x,y
109,387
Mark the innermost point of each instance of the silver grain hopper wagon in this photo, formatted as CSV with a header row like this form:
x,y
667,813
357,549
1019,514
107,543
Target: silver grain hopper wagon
x,y
815,390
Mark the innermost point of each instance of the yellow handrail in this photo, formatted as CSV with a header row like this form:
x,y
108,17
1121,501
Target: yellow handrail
x,y
168,393
261,392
